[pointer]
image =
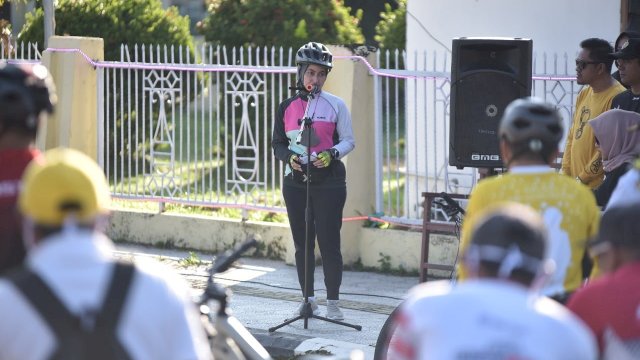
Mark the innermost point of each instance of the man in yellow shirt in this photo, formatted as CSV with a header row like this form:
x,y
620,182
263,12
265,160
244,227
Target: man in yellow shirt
x,y
581,159
530,132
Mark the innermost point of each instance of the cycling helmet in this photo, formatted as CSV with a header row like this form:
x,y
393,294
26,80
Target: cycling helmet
x,y
531,125
64,182
25,92
314,53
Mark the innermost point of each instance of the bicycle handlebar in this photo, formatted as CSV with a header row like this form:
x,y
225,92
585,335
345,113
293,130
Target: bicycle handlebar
x,y
452,203
222,264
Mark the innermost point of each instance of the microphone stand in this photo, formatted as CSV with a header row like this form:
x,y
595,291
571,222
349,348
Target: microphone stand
x,y
307,312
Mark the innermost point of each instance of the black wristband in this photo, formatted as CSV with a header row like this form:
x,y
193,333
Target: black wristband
x,y
334,153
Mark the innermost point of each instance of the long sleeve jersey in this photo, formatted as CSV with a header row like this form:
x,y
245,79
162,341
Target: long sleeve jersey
x,y
581,157
331,128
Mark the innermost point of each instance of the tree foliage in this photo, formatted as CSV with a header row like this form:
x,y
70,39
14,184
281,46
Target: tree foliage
x,y
116,21
287,23
392,29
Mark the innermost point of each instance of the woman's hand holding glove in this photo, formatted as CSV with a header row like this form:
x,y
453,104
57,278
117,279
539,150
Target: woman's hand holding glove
x,y
294,162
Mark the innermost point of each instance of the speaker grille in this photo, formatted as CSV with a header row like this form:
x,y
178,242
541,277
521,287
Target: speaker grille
x,y
486,75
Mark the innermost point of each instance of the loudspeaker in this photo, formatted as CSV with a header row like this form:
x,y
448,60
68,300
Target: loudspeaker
x,y
486,75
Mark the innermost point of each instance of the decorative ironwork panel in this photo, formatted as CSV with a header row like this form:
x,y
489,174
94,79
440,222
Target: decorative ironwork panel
x,y
162,87
245,91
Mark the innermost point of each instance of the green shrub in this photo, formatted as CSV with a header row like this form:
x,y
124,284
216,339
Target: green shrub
x,y
286,23
129,22
391,31
116,21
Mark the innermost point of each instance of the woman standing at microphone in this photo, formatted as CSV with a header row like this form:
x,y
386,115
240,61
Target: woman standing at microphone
x,y
320,142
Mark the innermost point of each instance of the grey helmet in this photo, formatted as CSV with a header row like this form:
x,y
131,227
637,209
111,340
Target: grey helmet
x,y
314,53
531,125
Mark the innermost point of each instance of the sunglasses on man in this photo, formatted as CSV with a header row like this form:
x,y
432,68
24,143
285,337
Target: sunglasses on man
x,y
581,64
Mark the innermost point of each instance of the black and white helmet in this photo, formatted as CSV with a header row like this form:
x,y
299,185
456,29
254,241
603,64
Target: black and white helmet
x,y
314,53
531,125
26,91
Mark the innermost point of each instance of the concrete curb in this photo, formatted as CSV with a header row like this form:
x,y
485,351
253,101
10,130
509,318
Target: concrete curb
x,y
279,344
290,345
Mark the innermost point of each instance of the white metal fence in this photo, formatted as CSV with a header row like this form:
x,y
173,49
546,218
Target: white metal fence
x,y
413,103
10,49
196,133
195,129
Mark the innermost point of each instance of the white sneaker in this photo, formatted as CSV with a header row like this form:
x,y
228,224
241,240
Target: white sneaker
x,y
333,311
314,307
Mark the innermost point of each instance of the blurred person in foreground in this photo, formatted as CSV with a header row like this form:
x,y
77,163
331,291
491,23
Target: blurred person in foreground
x,y
72,299
627,190
27,95
610,305
530,131
497,313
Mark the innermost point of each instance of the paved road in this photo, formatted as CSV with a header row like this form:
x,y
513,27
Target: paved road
x,y
266,292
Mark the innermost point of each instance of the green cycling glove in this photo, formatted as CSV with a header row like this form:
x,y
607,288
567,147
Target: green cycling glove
x,y
326,156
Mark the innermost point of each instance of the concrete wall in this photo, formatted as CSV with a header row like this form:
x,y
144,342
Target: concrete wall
x,y
200,233
377,248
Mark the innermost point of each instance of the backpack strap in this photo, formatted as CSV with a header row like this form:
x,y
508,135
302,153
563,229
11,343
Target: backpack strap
x,y
102,342
116,295
74,339
43,300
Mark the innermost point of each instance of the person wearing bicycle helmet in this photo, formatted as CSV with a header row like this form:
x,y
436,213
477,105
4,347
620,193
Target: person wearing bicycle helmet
x,y
496,314
530,131
72,299
320,143
27,95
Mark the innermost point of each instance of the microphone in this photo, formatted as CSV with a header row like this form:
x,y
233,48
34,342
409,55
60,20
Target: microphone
x,y
313,89
297,88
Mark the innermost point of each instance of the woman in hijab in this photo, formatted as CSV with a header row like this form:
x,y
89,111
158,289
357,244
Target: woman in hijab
x,y
618,138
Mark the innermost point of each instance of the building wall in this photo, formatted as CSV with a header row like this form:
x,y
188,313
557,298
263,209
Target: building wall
x,y
555,26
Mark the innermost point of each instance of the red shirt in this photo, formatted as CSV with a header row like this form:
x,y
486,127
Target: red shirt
x,y
612,301
12,165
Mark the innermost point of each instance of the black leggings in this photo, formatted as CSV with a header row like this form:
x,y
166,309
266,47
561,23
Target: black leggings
x,y
326,214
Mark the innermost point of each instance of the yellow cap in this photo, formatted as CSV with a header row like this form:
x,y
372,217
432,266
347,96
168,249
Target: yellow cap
x,y
66,181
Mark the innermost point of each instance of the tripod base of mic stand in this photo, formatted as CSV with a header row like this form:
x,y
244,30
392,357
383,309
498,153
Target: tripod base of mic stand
x,y
307,314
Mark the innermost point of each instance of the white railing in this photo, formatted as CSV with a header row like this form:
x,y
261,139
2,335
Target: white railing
x,y
412,112
192,132
10,49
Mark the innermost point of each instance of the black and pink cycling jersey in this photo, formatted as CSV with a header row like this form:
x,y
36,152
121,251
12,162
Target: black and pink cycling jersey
x,y
331,123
